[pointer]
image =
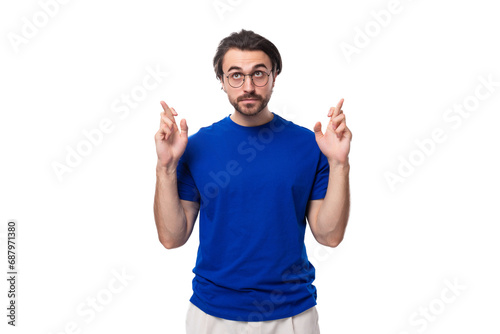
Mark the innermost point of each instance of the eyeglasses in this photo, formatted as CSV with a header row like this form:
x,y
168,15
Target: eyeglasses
x,y
237,79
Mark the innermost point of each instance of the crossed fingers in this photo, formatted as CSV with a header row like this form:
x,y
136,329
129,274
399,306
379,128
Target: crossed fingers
x,y
337,119
167,122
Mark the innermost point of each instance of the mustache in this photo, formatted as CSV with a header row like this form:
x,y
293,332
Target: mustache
x,y
252,96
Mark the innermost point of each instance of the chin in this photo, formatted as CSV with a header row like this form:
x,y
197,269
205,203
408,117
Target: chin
x,y
250,112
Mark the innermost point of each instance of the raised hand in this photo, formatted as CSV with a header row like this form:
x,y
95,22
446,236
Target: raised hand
x,y
335,143
170,140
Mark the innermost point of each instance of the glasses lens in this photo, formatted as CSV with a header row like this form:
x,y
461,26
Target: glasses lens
x,y
260,78
236,79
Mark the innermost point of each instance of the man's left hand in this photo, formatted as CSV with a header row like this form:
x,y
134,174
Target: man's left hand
x,y
335,143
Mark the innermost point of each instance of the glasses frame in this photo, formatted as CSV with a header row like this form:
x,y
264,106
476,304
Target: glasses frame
x,y
251,77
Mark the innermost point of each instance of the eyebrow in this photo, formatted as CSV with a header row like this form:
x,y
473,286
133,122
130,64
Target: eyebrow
x,y
239,68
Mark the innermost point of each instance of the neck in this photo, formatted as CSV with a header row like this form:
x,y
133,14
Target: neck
x,y
263,117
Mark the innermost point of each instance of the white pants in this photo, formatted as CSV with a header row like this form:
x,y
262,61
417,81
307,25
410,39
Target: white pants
x,y
198,322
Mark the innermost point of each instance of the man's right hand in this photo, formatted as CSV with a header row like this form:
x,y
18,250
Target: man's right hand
x,y
170,140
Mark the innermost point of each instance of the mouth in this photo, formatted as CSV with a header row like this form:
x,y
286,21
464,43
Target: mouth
x,y
249,100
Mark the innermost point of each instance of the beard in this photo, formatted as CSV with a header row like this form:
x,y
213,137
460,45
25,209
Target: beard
x,y
250,109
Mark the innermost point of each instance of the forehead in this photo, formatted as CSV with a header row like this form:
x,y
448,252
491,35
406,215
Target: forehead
x,y
245,59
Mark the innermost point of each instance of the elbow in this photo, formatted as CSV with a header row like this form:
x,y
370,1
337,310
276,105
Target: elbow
x,y
333,241
171,244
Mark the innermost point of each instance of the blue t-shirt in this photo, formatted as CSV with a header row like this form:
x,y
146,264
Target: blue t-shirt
x,y
253,185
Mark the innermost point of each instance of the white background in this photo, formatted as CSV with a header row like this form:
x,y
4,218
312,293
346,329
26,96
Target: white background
x,y
438,224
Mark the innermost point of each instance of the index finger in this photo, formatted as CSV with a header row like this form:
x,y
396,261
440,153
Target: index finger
x,y
167,110
335,111
338,107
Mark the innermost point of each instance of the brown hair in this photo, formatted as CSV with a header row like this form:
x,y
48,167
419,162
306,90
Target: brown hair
x,y
246,40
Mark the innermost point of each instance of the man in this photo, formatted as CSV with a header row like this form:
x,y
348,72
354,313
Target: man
x,y
254,178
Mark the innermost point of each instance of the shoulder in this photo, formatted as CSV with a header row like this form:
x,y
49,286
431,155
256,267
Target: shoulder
x,y
207,131
301,139
296,130
205,135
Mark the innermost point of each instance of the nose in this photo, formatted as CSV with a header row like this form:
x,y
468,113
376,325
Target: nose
x,y
248,85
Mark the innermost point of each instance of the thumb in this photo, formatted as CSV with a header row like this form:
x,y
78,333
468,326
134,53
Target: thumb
x,y
184,129
317,131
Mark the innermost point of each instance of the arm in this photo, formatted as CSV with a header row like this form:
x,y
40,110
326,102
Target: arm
x,y
328,217
174,218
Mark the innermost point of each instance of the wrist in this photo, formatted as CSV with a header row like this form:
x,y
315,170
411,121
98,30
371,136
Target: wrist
x,y
165,170
339,166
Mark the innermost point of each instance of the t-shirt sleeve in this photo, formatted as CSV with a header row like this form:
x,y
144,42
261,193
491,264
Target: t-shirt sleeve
x,y
185,182
321,180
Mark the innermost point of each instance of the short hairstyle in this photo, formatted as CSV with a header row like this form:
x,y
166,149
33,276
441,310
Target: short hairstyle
x,y
246,40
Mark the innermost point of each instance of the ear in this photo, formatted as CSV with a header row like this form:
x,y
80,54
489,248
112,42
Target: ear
x,y
222,84
275,75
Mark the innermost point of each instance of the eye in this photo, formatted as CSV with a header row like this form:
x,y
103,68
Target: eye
x,y
258,74
236,75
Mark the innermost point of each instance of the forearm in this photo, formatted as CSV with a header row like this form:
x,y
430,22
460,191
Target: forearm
x,y
169,214
334,211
